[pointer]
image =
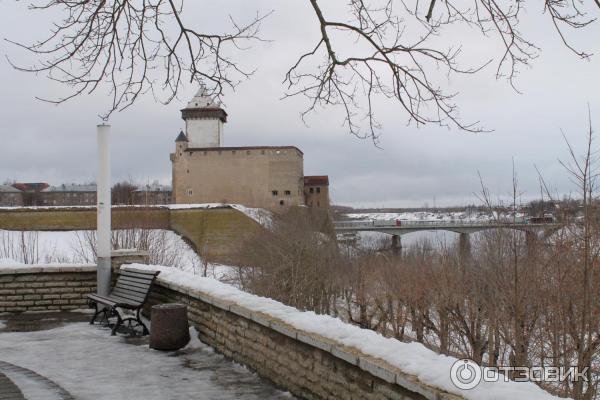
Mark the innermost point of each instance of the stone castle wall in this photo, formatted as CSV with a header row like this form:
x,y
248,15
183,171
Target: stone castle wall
x,y
263,177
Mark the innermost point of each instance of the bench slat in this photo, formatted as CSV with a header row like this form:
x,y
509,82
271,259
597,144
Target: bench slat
x,y
136,274
132,293
128,281
137,280
129,295
127,286
125,303
101,299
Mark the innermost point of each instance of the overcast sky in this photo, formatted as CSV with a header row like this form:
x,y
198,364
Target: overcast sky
x,y
413,167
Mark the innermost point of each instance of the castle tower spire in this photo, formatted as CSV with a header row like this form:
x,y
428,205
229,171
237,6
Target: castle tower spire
x,y
204,119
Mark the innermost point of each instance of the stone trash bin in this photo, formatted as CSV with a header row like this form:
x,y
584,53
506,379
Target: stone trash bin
x,y
169,329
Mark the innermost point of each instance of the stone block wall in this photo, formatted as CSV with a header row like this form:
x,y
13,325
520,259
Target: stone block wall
x,y
309,366
50,288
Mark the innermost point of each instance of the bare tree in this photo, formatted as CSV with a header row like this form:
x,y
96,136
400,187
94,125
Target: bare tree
x,y
367,50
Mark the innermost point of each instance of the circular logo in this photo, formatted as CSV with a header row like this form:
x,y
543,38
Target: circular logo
x,y
465,374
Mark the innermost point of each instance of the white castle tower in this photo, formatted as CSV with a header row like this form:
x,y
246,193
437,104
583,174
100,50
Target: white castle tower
x,y
204,120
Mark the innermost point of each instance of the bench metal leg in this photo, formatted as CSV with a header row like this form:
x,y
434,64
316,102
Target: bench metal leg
x,y
97,312
139,320
118,323
133,324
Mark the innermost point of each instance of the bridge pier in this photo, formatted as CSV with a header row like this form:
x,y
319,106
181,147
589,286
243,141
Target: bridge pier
x,y
464,247
396,244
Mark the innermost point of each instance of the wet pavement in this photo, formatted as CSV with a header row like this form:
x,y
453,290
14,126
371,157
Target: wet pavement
x,y
60,356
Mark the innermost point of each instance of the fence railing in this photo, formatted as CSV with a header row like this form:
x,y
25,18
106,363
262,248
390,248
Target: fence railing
x,y
416,224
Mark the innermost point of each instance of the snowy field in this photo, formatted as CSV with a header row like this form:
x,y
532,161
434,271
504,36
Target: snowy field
x,y
90,364
76,247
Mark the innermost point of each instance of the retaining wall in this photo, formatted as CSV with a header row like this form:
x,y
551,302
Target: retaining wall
x,y
35,288
217,231
252,331
306,364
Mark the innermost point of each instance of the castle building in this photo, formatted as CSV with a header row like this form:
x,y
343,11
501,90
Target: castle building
x,y
316,191
206,171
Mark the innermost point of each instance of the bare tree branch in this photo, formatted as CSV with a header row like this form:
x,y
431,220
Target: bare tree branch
x,y
135,47
140,46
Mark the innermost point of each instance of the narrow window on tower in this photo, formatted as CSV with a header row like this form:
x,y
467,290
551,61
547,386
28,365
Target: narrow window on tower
x,y
275,192
288,193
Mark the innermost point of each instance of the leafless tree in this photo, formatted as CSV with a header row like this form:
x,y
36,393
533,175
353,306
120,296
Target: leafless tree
x,y
367,51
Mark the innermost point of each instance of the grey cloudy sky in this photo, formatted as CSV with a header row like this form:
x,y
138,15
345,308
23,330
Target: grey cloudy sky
x,y
43,142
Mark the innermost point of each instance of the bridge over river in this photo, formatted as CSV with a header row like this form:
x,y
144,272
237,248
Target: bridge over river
x,y
397,228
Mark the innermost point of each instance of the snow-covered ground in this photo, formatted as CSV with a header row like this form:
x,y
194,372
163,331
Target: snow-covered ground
x,y
92,365
76,247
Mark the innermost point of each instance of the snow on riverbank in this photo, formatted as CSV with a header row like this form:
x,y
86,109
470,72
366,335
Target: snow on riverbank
x,y
425,216
413,358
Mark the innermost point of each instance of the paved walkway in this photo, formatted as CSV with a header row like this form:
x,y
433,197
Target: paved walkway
x,y
22,383
8,390
60,356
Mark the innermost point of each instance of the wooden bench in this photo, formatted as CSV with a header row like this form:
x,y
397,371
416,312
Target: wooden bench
x,y
130,293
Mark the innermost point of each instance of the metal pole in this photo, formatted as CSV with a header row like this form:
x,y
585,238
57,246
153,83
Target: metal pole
x,y
103,242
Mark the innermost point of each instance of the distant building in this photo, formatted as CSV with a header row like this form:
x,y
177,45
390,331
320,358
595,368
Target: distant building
x,y
204,171
152,194
10,196
69,195
316,191
42,194
31,192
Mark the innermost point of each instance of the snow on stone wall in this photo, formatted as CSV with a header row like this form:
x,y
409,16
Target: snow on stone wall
x,y
411,365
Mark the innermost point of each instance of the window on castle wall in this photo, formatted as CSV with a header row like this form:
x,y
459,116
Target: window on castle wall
x,y
274,192
190,192
288,193
281,202
311,190
318,190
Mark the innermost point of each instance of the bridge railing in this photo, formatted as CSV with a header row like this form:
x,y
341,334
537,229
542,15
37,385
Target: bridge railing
x,y
405,223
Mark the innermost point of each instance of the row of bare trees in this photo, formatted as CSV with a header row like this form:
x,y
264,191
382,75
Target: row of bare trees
x,y
517,298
